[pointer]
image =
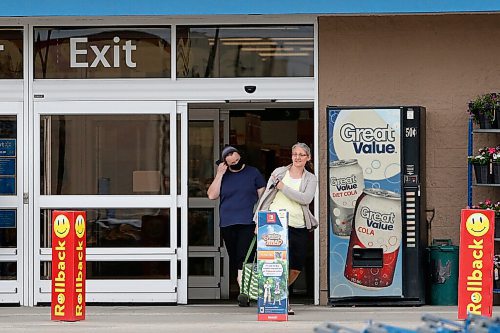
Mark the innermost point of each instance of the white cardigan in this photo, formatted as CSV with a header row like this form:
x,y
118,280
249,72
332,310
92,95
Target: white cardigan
x,y
303,197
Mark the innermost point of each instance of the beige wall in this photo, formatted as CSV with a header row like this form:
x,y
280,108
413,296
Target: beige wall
x,y
437,61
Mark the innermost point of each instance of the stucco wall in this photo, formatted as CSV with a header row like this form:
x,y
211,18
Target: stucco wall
x,y
437,61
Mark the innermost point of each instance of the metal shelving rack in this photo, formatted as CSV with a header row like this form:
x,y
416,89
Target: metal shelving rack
x,y
470,148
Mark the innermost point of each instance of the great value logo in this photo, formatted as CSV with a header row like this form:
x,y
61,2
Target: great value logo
x,y
369,140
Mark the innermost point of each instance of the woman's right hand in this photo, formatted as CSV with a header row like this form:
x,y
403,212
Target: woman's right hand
x,y
221,169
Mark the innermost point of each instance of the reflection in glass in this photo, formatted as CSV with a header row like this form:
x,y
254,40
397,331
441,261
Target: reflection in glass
x,y
8,270
201,227
125,270
201,266
104,154
250,51
11,57
141,227
118,270
201,157
124,52
8,237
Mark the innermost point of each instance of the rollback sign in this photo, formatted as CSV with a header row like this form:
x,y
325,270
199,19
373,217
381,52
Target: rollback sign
x,y
68,265
475,284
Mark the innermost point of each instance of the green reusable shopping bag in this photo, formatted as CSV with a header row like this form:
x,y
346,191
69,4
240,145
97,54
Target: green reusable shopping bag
x,y
249,281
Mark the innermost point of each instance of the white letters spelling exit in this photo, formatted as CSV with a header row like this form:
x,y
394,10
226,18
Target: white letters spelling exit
x,y
100,54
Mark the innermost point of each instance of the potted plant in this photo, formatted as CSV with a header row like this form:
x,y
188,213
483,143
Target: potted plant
x,y
483,110
481,164
490,205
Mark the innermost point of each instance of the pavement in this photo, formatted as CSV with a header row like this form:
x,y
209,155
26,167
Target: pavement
x,y
220,318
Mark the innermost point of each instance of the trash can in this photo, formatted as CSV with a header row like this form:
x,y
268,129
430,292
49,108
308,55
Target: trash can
x,y
443,264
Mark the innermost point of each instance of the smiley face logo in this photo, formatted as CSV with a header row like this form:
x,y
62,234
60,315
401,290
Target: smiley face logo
x,y
61,298
476,297
477,224
80,226
61,226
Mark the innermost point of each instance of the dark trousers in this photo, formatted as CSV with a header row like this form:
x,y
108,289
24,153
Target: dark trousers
x,y
237,239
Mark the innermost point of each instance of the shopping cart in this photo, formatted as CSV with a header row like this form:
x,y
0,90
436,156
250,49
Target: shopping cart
x,y
480,324
375,327
434,324
334,328
372,327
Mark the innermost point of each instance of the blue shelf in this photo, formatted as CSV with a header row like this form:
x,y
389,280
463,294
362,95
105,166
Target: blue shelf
x,y
496,291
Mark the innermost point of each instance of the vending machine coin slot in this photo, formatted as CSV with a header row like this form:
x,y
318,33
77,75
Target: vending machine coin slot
x,y
368,257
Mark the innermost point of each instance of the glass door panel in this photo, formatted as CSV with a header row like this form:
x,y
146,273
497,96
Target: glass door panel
x,y
113,160
207,134
11,203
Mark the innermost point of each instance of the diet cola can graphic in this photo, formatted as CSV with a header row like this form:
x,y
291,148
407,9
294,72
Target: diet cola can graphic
x,y
346,185
377,224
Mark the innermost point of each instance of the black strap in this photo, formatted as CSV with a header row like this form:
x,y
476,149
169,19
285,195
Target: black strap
x,y
252,244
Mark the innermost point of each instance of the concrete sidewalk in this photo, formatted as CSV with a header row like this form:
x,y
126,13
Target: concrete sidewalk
x,y
211,318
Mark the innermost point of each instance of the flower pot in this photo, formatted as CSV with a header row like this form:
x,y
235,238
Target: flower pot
x,y
496,122
485,122
496,173
482,172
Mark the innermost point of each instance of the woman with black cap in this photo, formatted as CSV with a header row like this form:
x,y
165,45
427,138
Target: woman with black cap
x,y
238,186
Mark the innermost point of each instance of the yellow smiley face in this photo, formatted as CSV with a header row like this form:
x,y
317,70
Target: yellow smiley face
x,y
61,226
61,298
477,224
476,297
80,226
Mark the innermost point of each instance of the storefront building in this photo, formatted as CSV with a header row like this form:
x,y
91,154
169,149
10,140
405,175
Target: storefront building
x,y
123,116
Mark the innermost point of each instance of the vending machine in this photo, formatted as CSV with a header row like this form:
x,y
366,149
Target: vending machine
x,y
376,206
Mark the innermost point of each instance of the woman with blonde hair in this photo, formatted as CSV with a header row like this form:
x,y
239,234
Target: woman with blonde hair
x,y
293,187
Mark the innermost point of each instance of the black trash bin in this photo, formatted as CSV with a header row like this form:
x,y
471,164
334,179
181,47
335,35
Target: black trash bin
x,y
443,264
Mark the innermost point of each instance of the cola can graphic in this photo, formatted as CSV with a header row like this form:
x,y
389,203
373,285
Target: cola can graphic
x,y
377,224
346,185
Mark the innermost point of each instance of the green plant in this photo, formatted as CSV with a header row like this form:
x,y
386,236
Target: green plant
x,y
484,105
488,204
485,155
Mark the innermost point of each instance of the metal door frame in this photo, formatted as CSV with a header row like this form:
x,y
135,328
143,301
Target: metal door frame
x,y
13,291
110,290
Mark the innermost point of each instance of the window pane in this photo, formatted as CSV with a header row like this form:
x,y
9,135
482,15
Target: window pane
x,y
118,270
102,270
8,270
118,227
251,51
201,157
8,154
104,154
201,227
201,266
86,53
11,57
8,228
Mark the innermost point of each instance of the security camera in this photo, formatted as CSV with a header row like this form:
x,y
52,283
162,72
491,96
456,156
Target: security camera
x,y
250,89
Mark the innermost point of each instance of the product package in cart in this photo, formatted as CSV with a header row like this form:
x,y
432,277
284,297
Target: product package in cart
x,y
272,263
